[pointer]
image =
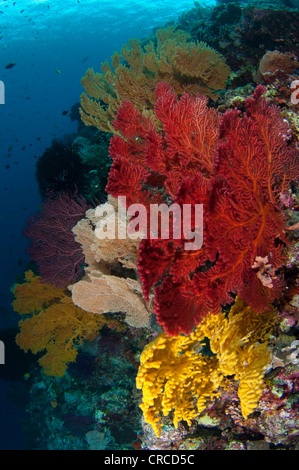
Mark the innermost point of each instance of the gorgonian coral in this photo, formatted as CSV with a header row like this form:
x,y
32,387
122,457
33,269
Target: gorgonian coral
x,y
134,74
236,166
53,247
109,284
55,326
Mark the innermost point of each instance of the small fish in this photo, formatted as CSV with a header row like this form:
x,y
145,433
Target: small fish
x,y
58,71
64,113
10,65
7,167
9,148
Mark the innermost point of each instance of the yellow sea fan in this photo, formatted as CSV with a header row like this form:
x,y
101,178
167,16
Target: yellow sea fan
x,y
57,327
34,295
133,75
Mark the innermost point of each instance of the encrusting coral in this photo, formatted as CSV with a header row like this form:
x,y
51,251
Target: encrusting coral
x,y
187,66
182,373
56,325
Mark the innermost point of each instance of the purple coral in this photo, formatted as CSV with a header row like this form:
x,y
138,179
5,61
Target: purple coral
x,y
58,256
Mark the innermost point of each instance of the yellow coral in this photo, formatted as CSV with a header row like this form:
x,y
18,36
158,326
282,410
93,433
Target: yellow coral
x,y
177,374
56,325
34,295
133,75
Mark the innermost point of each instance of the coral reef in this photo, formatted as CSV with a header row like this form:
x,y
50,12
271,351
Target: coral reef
x,y
106,293
250,29
92,149
217,362
104,253
94,404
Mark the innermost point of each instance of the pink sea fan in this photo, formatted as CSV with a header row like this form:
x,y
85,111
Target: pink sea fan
x,y
58,256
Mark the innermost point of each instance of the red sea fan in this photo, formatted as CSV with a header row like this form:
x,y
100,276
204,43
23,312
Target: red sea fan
x,y
126,179
191,133
158,257
185,145
237,169
154,260
254,164
177,307
59,257
133,127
